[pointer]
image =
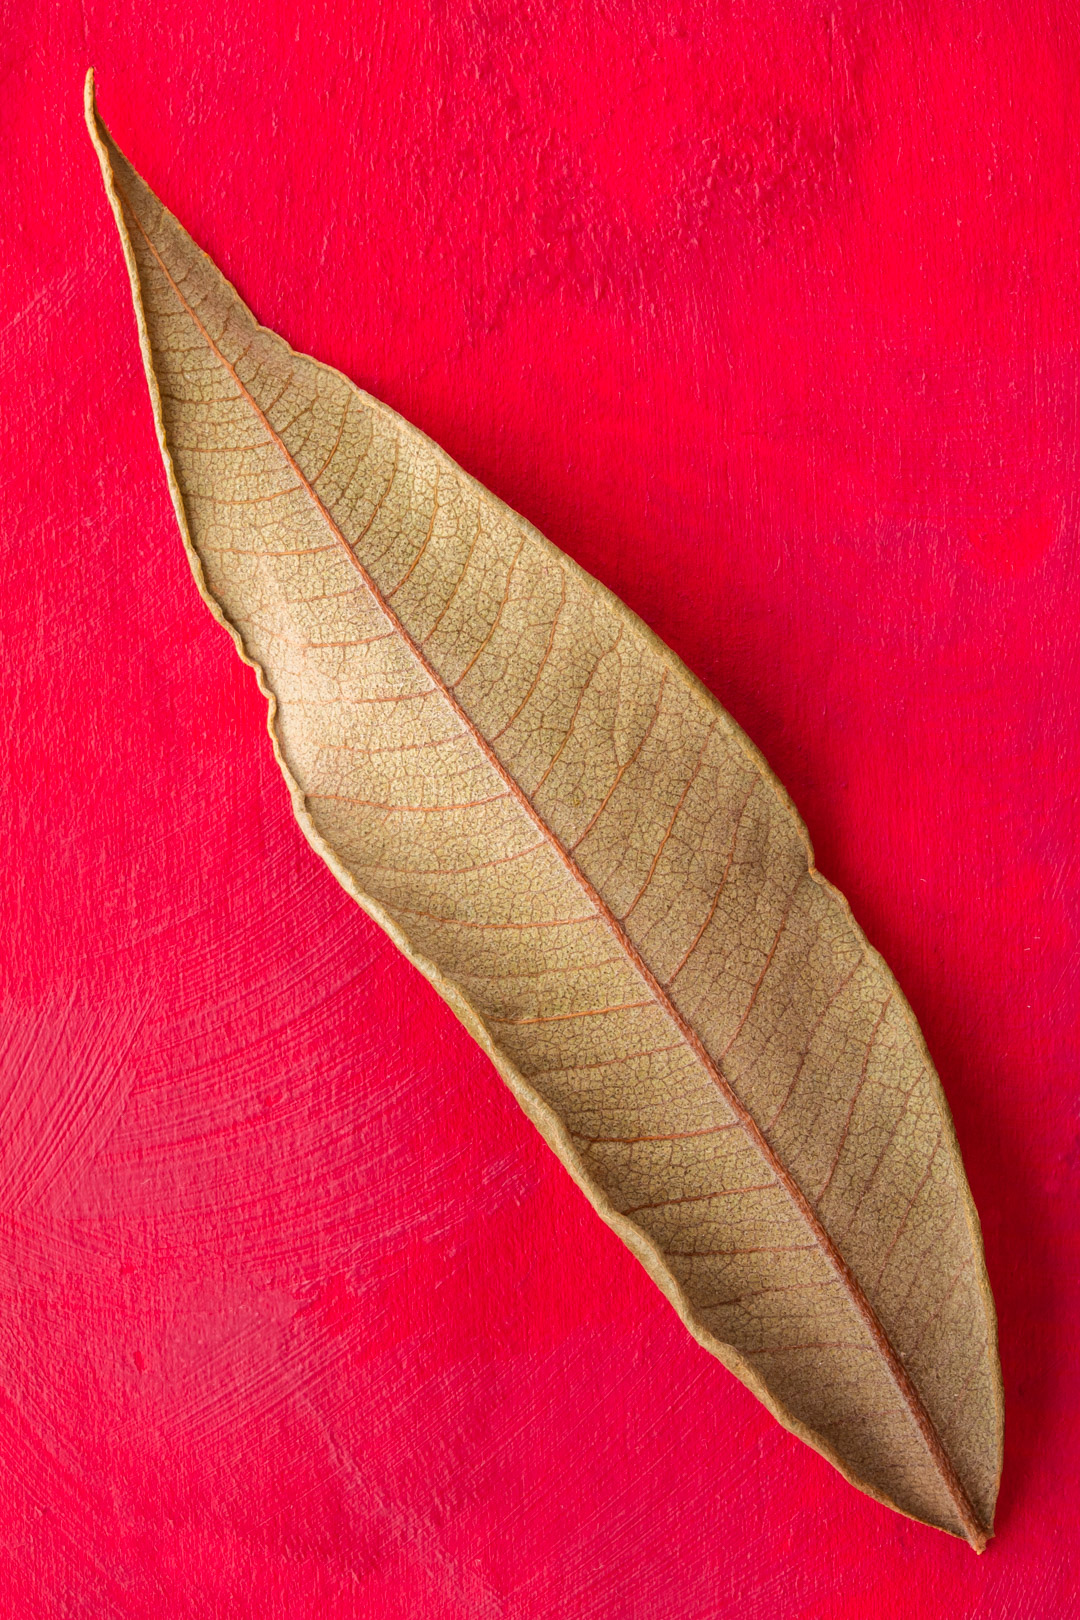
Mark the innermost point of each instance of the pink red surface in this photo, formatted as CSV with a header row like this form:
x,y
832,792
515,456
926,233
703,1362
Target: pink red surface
x,y
768,314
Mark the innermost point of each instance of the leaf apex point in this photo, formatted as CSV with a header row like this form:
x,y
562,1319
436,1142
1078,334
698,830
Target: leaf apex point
x,y
90,101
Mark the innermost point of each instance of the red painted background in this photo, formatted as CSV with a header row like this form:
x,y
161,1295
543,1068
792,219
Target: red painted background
x,y
770,315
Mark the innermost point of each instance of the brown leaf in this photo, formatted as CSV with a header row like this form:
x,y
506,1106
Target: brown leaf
x,y
588,859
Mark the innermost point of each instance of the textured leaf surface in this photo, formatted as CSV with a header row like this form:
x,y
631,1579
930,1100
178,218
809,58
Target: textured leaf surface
x,y
570,837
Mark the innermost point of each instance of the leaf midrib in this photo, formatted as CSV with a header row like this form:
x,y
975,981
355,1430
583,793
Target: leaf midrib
x,y
909,1395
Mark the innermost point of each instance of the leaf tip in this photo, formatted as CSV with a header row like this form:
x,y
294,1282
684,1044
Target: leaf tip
x,y
99,135
95,127
977,1541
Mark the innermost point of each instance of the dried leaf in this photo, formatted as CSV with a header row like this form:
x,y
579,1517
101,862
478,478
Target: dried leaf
x,y
584,854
